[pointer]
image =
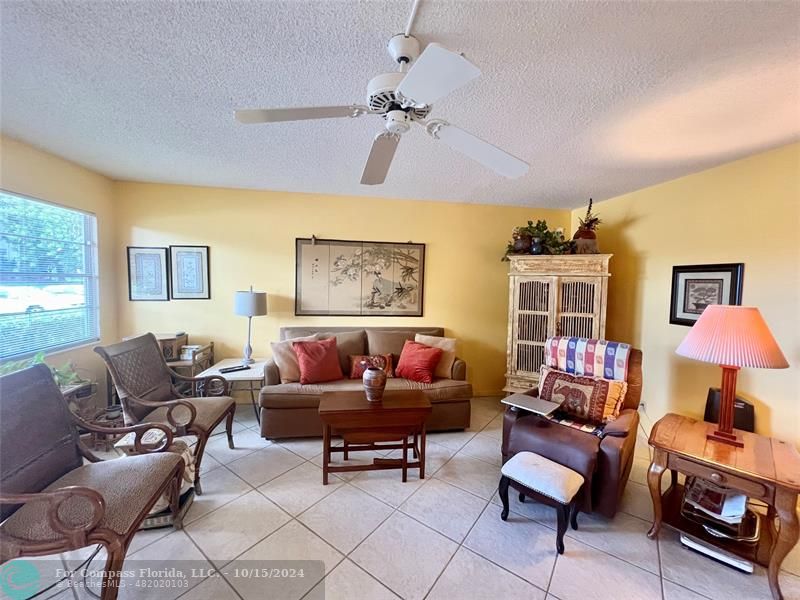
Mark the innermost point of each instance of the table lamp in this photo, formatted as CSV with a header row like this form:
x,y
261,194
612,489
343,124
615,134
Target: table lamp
x,y
732,337
250,304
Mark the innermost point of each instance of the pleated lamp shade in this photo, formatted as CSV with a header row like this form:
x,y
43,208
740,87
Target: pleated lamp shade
x,y
735,336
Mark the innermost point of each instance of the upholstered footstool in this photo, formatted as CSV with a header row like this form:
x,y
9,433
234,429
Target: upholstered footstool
x,y
547,482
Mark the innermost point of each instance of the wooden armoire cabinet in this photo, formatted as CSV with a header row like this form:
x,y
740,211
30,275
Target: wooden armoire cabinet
x,y
547,296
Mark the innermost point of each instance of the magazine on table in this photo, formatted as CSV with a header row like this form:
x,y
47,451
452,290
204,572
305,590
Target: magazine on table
x,y
716,501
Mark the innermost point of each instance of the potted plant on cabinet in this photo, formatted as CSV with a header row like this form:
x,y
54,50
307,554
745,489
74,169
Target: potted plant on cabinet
x,y
585,237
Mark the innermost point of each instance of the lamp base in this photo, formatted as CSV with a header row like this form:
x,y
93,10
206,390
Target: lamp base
x,y
731,439
248,361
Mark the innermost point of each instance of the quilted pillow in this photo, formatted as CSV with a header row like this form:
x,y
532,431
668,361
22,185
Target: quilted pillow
x,y
592,399
360,363
418,362
286,360
319,361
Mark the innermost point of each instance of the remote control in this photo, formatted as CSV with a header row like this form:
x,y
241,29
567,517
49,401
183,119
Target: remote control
x,y
236,368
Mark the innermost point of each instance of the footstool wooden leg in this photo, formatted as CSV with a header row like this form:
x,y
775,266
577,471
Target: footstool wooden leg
x,y
503,490
521,497
574,516
563,517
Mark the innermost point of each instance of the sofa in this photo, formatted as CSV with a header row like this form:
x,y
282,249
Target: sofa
x,y
291,409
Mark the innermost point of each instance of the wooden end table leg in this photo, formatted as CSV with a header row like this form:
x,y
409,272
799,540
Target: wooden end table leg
x,y
788,534
405,459
657,468
414,447
346,453
422,453
326,452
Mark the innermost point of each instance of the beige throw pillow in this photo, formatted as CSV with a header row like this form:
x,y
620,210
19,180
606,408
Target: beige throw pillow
x,y
285,358
448,346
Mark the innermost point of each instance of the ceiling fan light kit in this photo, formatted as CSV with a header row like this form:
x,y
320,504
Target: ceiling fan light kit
x,y
402,98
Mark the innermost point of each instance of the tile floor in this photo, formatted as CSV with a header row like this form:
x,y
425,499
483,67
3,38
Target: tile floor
x,y
440,539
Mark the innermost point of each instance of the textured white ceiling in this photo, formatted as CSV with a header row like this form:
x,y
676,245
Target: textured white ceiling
x,y
600,97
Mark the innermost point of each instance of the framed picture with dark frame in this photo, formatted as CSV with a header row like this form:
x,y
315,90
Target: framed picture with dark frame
x,y
355,277
190,276
694,287
148,269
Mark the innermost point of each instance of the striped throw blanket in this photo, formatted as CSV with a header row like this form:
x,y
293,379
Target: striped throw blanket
x,y
582,356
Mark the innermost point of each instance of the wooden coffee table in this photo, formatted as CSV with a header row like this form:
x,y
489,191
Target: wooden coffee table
x,y
365,425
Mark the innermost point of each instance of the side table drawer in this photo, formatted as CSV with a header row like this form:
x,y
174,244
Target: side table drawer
x,y
753,489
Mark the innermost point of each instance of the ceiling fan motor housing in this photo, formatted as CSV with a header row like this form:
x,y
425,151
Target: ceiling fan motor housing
x,y
381,97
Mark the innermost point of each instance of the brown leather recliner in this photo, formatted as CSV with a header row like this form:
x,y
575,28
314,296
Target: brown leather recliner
x,y
605,461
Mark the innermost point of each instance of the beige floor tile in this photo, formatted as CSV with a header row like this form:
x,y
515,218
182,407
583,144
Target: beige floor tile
x,y
388,485
792,561
356,458
583,573
481,415
349,582
519,545
209,464
246,442
299,488
470,474
639,471
485,448
405,555
213,588
454,440
220,430
261,466
146,537
541,513
220,486
445,508
471,576
228,531
436,456
345,517
624,536
636,501
284,549
246,416
673,591
308,448
712,579
495,427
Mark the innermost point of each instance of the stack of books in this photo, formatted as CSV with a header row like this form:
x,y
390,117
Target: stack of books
x,y
188,352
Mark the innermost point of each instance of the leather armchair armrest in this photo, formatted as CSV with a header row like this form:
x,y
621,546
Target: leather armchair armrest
x,y
626,422
459,371
271,374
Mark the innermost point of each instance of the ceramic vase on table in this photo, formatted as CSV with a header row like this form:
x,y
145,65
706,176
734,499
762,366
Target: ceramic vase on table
x,y
374,383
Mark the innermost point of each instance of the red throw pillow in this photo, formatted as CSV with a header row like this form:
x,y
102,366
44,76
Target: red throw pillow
x,y
418,362
319,361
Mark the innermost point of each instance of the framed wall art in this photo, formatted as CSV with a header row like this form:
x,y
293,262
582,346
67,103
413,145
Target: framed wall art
x,y
147,273
190,276
343,277
696,286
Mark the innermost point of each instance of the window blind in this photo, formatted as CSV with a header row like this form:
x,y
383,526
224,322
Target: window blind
x,y
48,277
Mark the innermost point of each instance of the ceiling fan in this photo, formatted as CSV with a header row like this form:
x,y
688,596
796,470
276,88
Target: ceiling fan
x,y
405,98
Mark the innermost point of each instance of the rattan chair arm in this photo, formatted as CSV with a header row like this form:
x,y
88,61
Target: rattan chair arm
x,y
205,381
139,429
180,428
74,535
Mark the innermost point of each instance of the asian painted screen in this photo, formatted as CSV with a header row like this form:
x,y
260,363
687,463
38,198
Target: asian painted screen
x,y
48,277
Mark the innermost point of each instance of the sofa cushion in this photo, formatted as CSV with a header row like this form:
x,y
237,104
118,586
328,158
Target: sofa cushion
x,y
418,362
296,395
284,356
347,343
589,398
319,361
389,342
448,346
359,364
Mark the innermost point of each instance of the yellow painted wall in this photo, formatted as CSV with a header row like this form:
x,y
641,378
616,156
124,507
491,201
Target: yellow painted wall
x,y
252,239
746,211
26,170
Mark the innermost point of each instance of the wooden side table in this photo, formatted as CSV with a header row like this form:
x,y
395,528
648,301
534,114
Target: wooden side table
x,y
765,469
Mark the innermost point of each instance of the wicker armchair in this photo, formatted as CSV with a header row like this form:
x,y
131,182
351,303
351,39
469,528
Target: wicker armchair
x,y
50,501
144,384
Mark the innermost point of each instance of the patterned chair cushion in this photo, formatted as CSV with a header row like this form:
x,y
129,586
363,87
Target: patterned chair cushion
x,y
583,356
591,399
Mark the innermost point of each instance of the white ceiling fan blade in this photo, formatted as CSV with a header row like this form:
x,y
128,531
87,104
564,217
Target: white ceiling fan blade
x,y
478,150
436,73
274,115
380,158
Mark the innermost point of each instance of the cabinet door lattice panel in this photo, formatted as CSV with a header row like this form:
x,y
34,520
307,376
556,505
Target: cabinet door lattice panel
x,y
529,358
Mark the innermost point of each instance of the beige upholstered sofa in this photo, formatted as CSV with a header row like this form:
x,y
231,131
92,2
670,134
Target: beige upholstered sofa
x,y
291,409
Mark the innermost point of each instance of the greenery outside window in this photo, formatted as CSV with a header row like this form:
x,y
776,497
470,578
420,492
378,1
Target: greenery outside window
x,y
48,277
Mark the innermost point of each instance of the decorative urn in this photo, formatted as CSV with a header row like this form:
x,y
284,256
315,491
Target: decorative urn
x,y
374,383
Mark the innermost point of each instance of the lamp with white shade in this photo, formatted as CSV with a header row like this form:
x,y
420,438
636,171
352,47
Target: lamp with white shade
x,y
250,304
732,337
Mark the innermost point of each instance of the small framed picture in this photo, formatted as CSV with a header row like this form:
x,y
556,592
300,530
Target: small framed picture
x,y
147,273
190,272
694,287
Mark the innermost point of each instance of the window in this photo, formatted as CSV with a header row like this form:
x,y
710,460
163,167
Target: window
x,y
48,277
